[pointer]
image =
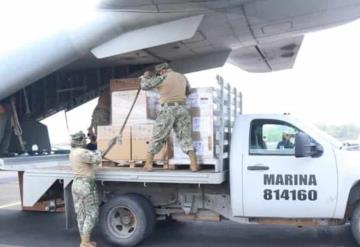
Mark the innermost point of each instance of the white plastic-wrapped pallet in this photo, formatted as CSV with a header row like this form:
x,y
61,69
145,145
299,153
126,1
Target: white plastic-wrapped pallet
x,y
213,111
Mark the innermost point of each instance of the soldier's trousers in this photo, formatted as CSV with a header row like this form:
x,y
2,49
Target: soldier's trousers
x,y
86,202
172,117
5,132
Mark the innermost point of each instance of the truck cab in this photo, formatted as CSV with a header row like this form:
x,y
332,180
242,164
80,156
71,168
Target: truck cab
x,y
310,177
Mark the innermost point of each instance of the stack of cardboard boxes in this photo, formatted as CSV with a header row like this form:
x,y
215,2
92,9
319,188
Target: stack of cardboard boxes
x,y
202,105
137,134
213,111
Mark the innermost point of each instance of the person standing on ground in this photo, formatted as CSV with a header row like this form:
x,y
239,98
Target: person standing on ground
x,y
84,191
173,88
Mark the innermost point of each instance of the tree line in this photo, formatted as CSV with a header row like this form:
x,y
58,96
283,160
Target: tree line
x,y
342,132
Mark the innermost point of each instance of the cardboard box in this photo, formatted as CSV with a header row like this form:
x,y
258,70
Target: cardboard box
x,y
201,98
201,107
152,104
123,93
124,84
146,107
120,152
203,145
121,103
141,137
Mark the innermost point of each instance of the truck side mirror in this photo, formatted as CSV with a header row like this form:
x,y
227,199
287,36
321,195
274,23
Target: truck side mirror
x,y
305,147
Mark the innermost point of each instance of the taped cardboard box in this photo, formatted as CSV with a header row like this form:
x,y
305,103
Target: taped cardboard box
x,y
203,146
120,152
201,107
152,104
146,107
201,98
141,137
124,84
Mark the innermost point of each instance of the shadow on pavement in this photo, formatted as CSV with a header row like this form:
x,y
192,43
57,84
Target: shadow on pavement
x,y
32,229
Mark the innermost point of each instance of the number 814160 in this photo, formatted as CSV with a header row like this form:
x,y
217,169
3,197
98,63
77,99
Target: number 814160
x,y
294,195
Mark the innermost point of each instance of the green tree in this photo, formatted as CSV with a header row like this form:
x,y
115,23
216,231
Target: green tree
x,y
342,132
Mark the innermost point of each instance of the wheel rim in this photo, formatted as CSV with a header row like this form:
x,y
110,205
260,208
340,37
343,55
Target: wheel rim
x,y
122,222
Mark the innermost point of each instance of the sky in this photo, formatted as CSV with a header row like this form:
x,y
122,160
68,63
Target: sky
x,y
322,88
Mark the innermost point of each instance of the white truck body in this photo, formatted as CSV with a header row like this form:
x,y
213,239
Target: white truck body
x,y
265,183
309,187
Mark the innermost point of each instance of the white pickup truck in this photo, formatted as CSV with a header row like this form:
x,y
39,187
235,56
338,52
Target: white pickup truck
x,y
279,171
311,180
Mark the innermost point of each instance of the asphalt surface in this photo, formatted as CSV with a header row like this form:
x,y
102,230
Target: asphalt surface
x,y
31,229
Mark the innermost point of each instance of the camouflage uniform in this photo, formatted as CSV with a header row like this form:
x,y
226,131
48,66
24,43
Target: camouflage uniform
x,y
86,202
100,117
5,129
173,115
170,117
101,113
84,191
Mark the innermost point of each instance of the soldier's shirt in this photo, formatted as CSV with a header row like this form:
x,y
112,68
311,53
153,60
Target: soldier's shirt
x,y
83,162
172,87
100,116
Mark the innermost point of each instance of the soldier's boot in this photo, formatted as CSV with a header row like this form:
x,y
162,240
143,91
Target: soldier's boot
x,y
85,242
194,167
149,162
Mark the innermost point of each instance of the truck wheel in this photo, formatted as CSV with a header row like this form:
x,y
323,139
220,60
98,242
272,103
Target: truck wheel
x,y
355,223
127,220
150,212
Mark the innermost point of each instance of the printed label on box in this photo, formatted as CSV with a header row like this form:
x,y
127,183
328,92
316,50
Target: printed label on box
x,y
202,124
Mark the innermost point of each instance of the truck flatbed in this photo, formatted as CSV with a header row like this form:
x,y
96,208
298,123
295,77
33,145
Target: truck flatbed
x,y
41,172
57,167
125,174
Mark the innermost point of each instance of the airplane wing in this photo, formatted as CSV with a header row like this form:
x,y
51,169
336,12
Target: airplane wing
x,y
258,36
267,57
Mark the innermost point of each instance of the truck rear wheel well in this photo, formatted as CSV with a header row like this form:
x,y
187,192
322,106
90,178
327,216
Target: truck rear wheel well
x,y
353,200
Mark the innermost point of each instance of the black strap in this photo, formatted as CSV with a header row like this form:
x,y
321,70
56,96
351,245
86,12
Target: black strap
x,y
113,141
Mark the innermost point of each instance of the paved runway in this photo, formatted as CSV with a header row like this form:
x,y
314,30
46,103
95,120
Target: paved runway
x,y
30,229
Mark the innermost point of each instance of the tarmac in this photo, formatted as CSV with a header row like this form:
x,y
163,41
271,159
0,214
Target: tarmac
x,y
18,228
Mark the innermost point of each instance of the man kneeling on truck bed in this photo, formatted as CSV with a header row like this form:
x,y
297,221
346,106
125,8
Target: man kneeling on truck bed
x,y
173,88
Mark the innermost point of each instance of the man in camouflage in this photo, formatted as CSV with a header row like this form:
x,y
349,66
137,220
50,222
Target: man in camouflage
x,y
101,113
85,196
5,127
173,89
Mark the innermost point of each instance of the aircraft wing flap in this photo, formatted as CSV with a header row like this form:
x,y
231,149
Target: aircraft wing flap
x,y
147,37
267,57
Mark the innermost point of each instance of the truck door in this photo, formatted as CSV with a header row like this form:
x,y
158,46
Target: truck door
x,y
277,184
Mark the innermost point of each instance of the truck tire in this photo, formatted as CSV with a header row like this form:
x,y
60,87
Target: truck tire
x,y
150,213
355,223
126,220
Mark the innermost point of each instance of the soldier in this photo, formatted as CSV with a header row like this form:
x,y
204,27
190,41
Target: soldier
x,y
173,88
5,128
85,196
101,113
